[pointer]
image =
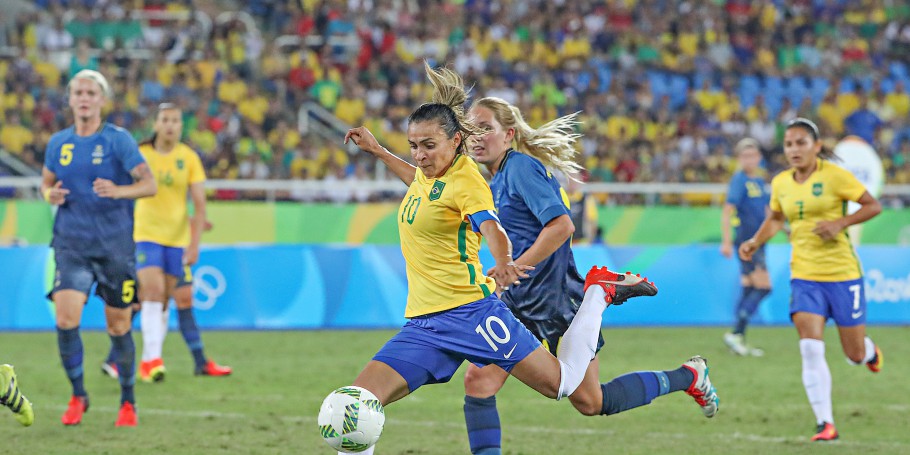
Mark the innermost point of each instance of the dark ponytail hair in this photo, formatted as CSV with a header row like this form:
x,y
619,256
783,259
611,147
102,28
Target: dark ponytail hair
x,y
161,107
447,107
801,122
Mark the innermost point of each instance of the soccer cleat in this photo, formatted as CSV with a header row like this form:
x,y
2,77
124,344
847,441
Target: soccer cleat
x,y
77,406
701,389
213,369
875,365
110,370
127,416
12,397
737,344
825,432
152,370
625,285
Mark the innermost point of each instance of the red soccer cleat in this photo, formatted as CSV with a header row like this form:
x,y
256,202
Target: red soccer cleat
x,y
875,365
213,369
625,286
826,432
127,416
74,410
152,370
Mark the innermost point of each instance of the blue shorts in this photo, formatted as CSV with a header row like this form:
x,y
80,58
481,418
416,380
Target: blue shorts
x,y
168,258
843,301
115,276
429,349
758,261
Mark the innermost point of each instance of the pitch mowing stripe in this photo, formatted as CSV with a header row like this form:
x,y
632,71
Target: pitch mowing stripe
x,y
535,430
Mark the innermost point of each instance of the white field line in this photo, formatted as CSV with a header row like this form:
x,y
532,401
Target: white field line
x,y
535,430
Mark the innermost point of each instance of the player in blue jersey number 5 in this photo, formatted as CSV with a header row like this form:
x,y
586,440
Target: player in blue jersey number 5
x,y
92,172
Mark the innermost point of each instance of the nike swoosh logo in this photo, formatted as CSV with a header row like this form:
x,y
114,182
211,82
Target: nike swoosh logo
x,y
509,354
857,314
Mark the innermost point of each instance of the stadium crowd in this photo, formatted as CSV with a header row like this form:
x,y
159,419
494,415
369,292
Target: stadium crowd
x,y
665,88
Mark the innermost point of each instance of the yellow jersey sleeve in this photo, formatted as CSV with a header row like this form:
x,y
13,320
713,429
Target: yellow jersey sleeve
x,y
776,184
196,172
472,193
846,185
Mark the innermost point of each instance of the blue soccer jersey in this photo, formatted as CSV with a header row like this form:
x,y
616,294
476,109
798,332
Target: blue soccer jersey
x,y
86,221
527,197
750,196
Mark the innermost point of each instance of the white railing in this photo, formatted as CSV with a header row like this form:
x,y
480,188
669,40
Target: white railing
x,y
30,186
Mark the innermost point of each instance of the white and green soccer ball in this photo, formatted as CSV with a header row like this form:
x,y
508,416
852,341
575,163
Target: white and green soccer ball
x,y
351,419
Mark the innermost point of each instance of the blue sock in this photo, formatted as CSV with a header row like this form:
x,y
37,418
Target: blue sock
x,y
742,318
638,389
190,333
70,343
482,419
126,365
113,354
748,306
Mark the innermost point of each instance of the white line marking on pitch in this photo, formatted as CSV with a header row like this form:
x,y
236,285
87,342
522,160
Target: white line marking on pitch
x,y
519,429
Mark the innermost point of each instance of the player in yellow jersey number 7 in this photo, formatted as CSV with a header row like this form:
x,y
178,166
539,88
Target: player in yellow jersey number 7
x,y
826,276
167,245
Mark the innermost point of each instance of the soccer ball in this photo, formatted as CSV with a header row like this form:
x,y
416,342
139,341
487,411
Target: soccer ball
x,y
351,419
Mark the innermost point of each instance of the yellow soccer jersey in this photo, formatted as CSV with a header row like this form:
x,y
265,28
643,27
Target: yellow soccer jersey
x,y
439,247
823,197
164,218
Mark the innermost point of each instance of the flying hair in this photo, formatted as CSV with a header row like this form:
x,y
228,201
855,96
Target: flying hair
x,y
447,106
553,143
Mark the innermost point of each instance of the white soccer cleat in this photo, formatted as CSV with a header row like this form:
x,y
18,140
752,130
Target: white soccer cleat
x,y
701,389
737,344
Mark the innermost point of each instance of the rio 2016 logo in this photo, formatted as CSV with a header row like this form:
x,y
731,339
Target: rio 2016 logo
x,y
208,285
882,289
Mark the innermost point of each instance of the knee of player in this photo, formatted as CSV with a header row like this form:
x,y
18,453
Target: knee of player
x,y
587,407
151,293
478,384
183,302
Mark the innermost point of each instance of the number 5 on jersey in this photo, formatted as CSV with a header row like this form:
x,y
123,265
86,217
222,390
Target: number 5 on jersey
x,y
66,154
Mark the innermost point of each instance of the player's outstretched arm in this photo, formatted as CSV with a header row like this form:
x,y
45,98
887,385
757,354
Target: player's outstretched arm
x,y
143,185
506,273
552,236
364,139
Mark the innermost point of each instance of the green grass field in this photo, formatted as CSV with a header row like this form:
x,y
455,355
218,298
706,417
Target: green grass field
x,y
280,379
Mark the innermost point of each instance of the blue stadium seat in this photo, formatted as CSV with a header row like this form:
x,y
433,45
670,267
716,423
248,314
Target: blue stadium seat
x,y
604,76
797,89
749,88
660,86
819,86
679,86
774,87
899,69
846,85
